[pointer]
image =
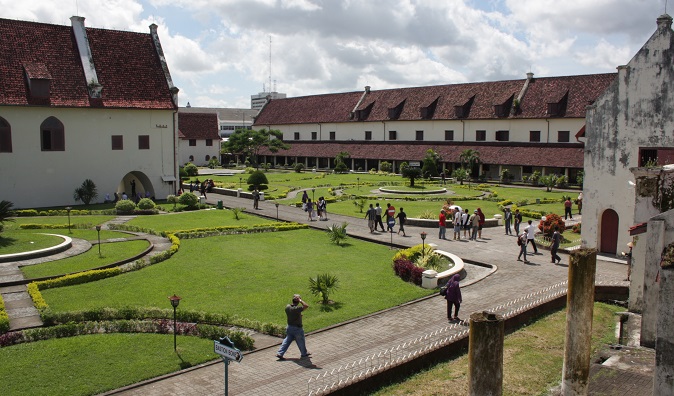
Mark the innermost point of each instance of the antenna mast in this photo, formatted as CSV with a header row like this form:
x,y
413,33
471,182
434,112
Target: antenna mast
x,y
269,62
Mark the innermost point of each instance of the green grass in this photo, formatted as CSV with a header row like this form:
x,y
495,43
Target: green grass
x,y
532,359
15,242
195,219
57,220
254,276
93,364
110,253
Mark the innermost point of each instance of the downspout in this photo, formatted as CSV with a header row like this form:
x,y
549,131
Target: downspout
x,y
384,122
463,131
548,138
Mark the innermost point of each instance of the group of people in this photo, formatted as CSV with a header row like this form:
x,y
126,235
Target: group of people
x,y
315,210
568,205
374,216
471,225
134,197
527,236
202,187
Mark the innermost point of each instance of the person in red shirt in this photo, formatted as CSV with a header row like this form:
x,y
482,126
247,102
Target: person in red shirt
x,y
567,208
481,223
390,215
442,222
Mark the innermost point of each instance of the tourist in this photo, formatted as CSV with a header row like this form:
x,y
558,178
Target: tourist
x,y
531,234
322,209
507,218
522,242
465,223
482,220
377,220
371,216
567,208
518,221
402,216
453,297
474,225
442,223
579,202
294,330
305,198
310,210
256,198
457,224
390,217
556,240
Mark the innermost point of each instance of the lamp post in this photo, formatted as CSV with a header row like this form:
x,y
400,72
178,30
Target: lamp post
x,y
175,300
68,208
423,244
358,183
240,180
543,218
313,194
276,204
98,229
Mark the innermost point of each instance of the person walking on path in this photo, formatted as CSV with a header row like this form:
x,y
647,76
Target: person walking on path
x,y
522,242
481,224
579,202
322,209
377,220
256,198
567,208
402,216
465,223
310,210
390,215
294,330
507,218
442,223
457,225
518,221
556,240
474,225
531,234
371,216
453,297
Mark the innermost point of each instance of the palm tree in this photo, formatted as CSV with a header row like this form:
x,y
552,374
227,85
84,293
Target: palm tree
x,y
5,212
471,158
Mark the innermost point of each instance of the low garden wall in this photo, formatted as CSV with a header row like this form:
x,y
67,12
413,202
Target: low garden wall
x,y
433,223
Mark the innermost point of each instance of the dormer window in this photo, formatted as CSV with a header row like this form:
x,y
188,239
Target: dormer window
x,y
38,79
462,110
427,112
502,109
394,112
557,106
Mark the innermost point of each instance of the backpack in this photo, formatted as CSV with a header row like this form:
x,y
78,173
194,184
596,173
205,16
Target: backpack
x,y
443,291
519,241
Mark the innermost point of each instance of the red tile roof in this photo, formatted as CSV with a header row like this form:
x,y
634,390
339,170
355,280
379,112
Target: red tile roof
x,y
127,66
497,153
479,99
198,126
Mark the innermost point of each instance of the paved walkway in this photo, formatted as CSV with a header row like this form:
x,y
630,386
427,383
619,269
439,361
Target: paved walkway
x,y
261,374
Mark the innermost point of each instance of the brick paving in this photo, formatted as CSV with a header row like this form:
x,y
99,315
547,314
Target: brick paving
x,y
261,374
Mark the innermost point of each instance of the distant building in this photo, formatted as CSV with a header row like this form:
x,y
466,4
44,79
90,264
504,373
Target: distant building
x,y
229,119
82,103
258,101
199,139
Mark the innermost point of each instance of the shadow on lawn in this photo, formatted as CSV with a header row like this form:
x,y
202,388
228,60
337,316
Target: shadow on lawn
x,y
333,306
183,363
4,242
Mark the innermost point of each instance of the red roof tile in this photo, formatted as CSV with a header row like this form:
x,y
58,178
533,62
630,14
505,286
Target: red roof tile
x,y
126,63
309,109
498,153
198,126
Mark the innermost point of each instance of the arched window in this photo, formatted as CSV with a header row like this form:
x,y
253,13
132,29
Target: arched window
x,y
208,157
191,158
52,137
5,136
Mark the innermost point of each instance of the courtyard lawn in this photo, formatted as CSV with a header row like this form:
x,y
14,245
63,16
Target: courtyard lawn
x,y
195,219
16,242
254,277
93,364
110,253
532,359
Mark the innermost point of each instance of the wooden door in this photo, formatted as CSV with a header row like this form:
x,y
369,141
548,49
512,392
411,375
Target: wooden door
x,y
609,232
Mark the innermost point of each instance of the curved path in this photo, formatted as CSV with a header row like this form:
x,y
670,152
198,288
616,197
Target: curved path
x,y
18,304
261,374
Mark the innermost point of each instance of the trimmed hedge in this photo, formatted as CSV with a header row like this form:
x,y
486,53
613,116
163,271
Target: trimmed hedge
x,y
78,278
34,226
407,270
61,212
4,319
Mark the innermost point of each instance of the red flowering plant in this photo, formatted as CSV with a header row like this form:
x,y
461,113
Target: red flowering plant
x,y
547,227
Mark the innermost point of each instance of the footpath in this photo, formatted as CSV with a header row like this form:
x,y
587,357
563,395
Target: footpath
x,y
349,347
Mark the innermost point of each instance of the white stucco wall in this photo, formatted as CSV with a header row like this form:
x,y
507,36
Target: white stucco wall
x,y
35,178
434,130
200,151
636,111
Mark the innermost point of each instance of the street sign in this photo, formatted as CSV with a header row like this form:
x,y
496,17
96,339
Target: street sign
x,y
227,352
414,164
391,222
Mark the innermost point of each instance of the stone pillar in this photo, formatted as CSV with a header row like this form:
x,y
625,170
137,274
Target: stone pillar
x,y
663,381
485,354
579,307
655,242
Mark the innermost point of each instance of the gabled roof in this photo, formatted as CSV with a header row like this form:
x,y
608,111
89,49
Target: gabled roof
x,y
483,100
198,126
496,153
126,63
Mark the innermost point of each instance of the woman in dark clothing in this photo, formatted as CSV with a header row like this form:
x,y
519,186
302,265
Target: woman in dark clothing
x,y
453,296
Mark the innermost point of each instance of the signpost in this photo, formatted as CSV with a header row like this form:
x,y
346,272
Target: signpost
x,y
226,349
391,222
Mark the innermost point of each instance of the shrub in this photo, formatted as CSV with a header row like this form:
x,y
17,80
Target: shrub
x,y
191,169
237,212
299,167
341,167
125,206
547,227
4,319
146,204
337,233
213,162
257,179
386,166
189,199
35,295
172,199
86,192
360,204
576,229
323,285
77,278
407,271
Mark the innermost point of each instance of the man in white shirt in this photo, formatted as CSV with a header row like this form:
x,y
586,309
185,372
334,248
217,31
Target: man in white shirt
x,y
531,233
457,224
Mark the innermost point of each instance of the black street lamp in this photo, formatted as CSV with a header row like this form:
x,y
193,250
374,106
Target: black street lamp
x,y
358,183
68,208
423,245
240,180
175,300
276,203
313,194
98,229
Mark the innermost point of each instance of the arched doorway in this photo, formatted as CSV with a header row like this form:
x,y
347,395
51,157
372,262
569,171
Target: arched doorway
x,y
609,232
139,182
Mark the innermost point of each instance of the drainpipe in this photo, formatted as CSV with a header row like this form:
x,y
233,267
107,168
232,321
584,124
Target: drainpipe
x,y
463,131
548,139
384,122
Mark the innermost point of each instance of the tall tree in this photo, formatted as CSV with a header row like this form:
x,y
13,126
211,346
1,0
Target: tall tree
x,y
249,142
430,166
340,162
469,157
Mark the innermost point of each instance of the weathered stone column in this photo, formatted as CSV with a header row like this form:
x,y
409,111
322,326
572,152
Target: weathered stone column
x,y
655,243
485,354
663,382
579,307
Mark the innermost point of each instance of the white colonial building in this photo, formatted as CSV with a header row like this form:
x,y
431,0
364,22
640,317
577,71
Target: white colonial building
x,y
630,125
80,103
199,138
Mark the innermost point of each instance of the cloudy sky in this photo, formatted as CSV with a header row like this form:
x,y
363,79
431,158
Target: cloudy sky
x,y
218,50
